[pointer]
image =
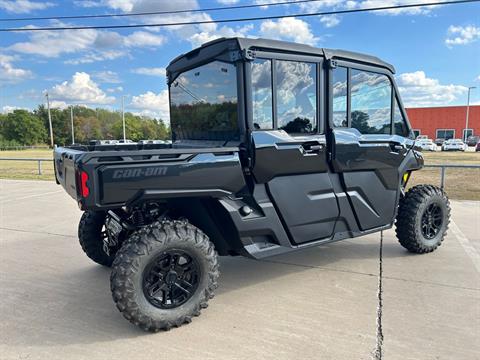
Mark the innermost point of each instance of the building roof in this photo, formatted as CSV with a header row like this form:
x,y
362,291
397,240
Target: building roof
x,y
216,47
439,107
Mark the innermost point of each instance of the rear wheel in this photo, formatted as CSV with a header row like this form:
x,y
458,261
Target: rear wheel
x,y
423,218
164,274
93,238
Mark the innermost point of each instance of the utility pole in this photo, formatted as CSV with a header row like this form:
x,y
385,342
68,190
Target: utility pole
x,y
123,118
71,120
49,120
468,110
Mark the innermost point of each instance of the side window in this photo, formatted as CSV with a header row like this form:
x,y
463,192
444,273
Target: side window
x,y
262,94
296,91
399,122
339,89
371,98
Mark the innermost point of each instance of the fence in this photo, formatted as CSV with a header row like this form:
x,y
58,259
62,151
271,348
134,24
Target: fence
x,y
443,169
29,159
22,147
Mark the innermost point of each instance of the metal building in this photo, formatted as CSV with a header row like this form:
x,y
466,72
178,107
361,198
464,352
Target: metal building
x,y
445,122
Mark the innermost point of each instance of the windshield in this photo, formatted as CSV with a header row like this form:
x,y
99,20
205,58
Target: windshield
x,y
203,103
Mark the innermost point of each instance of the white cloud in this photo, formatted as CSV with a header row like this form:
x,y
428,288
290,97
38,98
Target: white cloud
x,y
261,2
54,43
462,35
55,104
123,5
288,29
154,71
418,90
7,109
81,89
155,5
107,76
97,56
195,34
228,2
116,89
24,6
153,105
330,20
420,10
107,39
10,74
144,38
96,45
88,3
215,33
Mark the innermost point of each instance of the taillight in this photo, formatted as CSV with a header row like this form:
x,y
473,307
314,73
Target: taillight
x,y
84,191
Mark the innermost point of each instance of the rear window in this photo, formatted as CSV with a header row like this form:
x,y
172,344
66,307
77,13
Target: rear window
x,y
203,103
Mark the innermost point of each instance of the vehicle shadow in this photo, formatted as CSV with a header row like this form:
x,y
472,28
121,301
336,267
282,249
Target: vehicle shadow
x,y
76,305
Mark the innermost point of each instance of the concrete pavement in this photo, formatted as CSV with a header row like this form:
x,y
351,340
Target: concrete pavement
x,y
319,303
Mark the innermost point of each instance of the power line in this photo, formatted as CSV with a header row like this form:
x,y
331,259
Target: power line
x,y
323,13
290,2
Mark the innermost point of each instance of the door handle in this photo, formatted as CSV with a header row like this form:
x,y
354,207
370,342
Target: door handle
x,y
396,147
312,149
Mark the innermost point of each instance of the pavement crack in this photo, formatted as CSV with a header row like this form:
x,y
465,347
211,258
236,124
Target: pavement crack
x,y
378,352
316,267
36,232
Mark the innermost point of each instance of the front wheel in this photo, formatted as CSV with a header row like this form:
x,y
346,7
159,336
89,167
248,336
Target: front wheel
x,y
422,219
164,274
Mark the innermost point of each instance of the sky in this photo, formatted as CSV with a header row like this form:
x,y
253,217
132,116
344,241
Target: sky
x,y
436,50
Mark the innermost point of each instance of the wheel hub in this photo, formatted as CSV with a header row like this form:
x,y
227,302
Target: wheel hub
x,y
170,279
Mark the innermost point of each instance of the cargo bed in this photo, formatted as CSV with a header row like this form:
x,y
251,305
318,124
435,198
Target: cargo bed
x,y
112,176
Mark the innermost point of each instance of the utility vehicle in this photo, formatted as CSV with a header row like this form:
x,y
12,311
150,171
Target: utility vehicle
x,y
275,147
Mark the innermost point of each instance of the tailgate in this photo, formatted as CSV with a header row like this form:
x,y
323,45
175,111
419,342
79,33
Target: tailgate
x,y
64,163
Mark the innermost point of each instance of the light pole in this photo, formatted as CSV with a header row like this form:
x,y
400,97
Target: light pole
x,y
71,121
49,119
468,111
123,118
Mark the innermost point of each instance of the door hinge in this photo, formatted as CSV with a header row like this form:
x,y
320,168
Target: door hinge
x,y
332,64
245,54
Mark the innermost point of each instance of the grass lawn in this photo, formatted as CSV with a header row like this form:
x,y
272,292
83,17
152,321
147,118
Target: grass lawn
x,y
26,169
461,184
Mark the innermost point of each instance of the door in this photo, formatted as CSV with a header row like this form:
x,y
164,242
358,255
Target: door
x,y
368,141
290,147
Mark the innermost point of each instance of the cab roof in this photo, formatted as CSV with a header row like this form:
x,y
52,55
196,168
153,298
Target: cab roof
x,y
217,47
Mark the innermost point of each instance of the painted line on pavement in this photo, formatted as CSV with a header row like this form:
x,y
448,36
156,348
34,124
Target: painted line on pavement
x,y
32,196
466,244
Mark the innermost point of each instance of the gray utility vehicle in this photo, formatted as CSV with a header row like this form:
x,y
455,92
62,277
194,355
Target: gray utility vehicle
x,y
275,147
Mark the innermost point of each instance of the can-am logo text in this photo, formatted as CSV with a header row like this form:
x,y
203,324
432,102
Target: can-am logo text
x,y
142,172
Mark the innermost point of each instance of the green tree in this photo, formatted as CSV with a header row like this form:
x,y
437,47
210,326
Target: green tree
x,y
24,127
86,128
62,133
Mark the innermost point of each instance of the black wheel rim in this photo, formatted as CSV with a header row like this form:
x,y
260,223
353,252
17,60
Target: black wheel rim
x,y
171,279
432,220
